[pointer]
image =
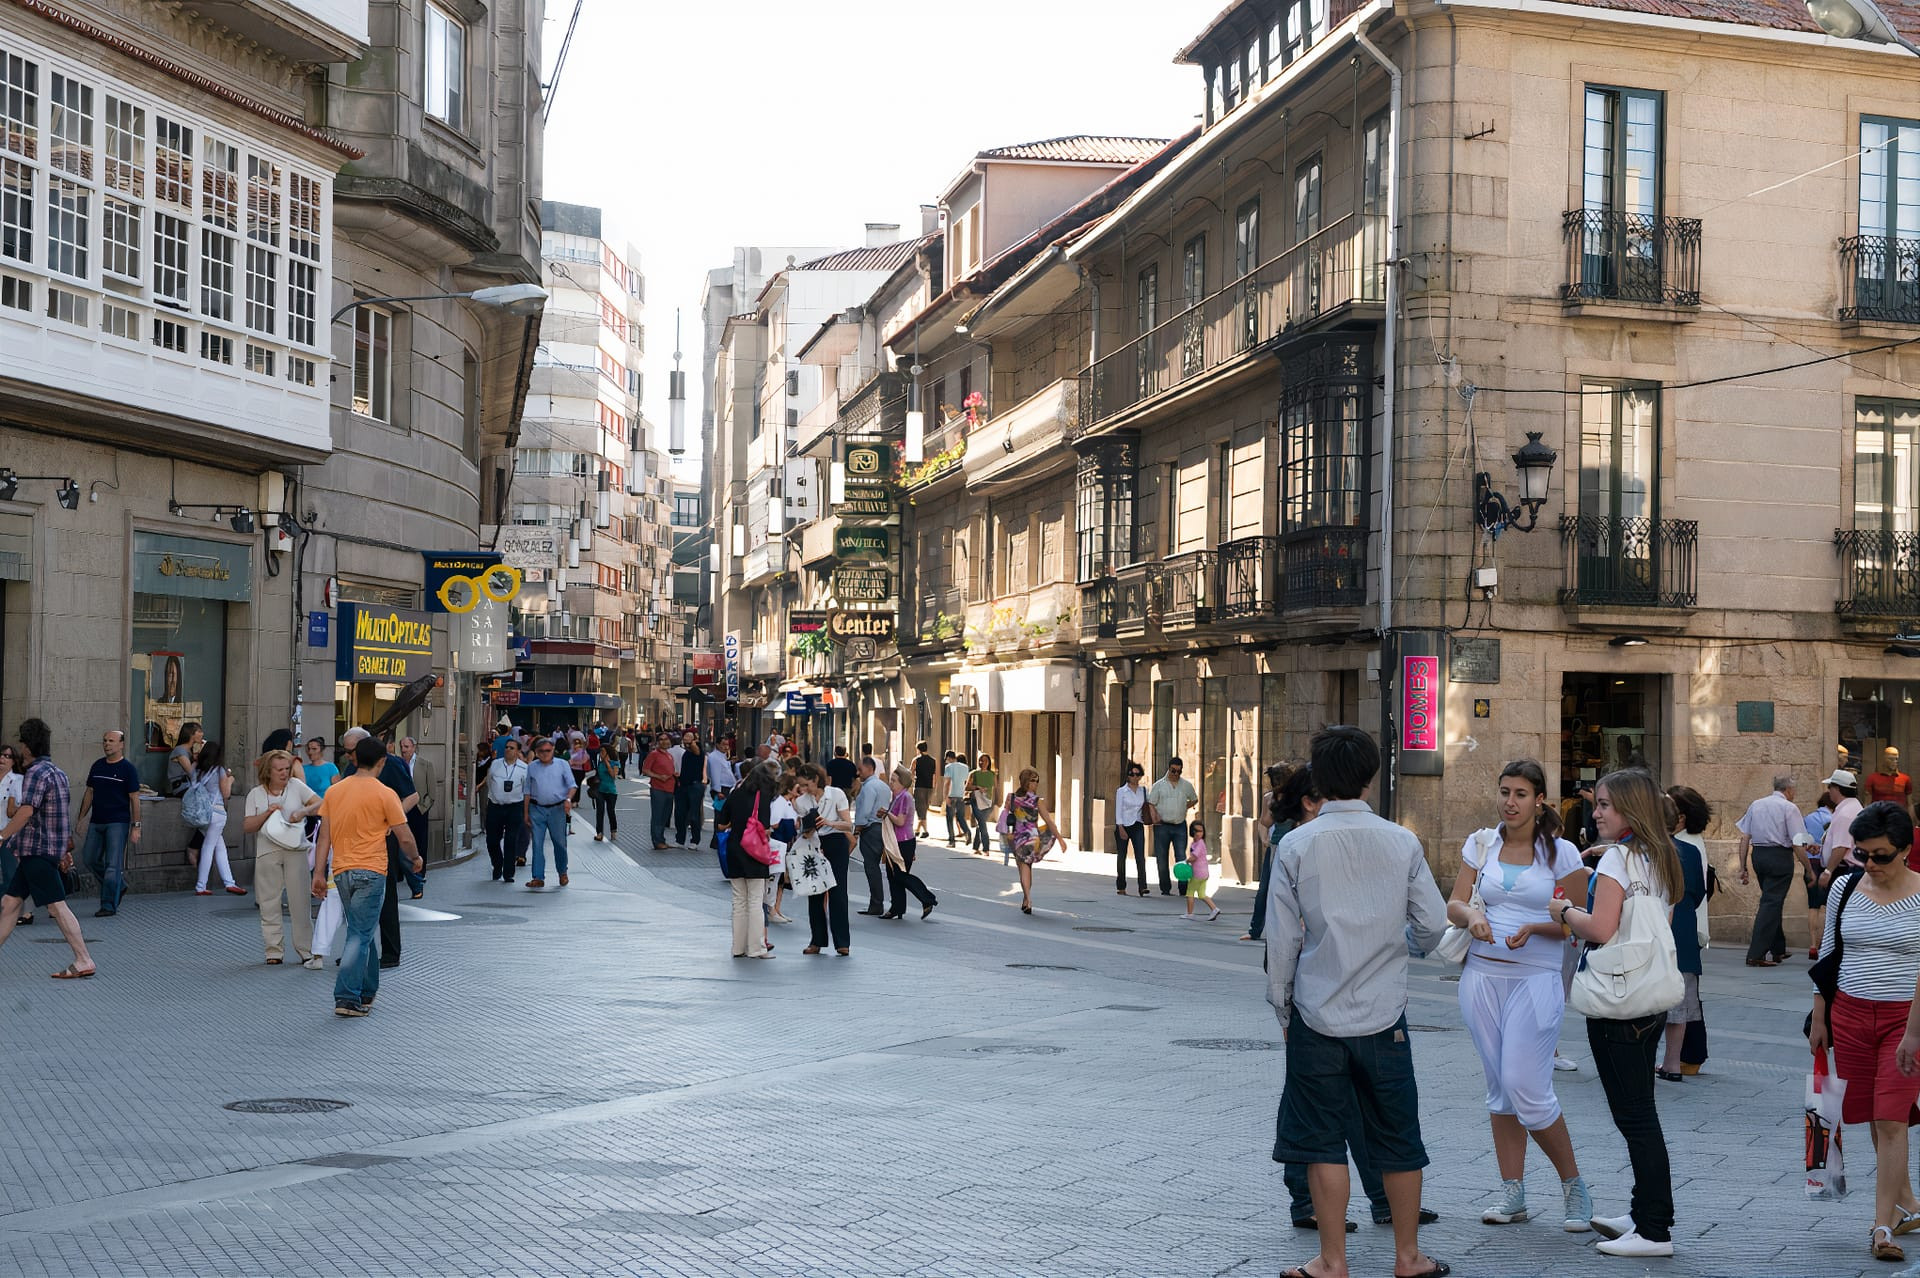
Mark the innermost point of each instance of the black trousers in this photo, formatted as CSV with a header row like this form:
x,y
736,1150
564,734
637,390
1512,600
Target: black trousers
x,y
901,882
827,912
1773,866
871,859
603,812
505,823
1623,1056
390,907
1136,834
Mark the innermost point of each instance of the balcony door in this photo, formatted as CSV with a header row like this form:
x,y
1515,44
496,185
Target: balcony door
x,y
1375,139
1619,460
1246,260
1146,315
1887,268
1885,550
1193,290
1306,224
1620,195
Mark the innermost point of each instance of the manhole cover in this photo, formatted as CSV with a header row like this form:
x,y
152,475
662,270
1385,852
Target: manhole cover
x,y
1228,1044
1103,929
1043,967
285,1105
1019,1049
1433,1029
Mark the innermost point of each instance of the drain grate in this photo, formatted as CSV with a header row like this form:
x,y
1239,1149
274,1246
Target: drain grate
x,y
1103,929
1043,967
1228,1044
1018,1049
286,1105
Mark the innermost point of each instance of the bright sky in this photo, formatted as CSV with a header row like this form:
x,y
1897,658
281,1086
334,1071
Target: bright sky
x,y
702,124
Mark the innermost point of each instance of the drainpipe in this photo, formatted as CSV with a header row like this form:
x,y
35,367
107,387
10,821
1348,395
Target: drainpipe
x,y
1393,326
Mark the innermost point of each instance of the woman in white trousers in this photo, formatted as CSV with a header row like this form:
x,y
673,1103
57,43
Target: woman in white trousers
x,y
210,772
279,869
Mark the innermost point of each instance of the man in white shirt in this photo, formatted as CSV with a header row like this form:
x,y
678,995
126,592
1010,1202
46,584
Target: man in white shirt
x,y
1766,835
506,810
720,780
1128,801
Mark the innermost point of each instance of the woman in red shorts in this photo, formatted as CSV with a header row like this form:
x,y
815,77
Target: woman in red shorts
x,y
1876,921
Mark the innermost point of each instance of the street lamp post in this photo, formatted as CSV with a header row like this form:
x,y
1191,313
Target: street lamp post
x,y
1857,20
514,299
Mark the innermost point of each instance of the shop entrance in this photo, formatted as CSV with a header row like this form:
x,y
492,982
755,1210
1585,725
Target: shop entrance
x,y
1607,722
1875,714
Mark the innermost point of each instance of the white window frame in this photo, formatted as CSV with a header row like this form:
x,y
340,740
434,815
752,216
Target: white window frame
x,y
446,67
373,363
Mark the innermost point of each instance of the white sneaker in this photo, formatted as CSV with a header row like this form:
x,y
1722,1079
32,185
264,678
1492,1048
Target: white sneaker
x,y
1612,1226
1632,1244
1216,914
1564,1064
313,964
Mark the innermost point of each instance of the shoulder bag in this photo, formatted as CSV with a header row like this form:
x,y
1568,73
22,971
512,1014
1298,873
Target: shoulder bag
x,y
1455,942
754,841
1637,973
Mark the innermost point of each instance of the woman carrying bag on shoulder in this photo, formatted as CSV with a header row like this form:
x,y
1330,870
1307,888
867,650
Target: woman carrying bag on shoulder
x,y
1627,983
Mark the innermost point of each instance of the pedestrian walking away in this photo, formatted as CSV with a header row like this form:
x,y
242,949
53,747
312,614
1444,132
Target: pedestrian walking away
x,y
10,778
390,773
1836,847
1030,831
507,810
112,797
901,880
1639,861
955,773
751,799
983,793
1169,800
1511,997
1130,830
689,793
826,815
41,833
276,816
1768,833
550,794
1863,1008
1282,808
1200,872
205,807
420,776
869,806
924,769
1688,820
606,793
1350,891
359,818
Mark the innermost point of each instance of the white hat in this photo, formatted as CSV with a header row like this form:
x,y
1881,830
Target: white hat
x,y
1842,778
504,722
1802,840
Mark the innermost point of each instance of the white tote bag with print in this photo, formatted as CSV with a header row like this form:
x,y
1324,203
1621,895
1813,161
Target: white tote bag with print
x,y
1637,973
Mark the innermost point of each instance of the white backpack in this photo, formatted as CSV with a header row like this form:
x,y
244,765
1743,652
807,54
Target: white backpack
x,y
1636,973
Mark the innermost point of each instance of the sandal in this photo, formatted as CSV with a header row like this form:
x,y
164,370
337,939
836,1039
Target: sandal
x,y
1885,1249
72,973
1671,1077
1908,1222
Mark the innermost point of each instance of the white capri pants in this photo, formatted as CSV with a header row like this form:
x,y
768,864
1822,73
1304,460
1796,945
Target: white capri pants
x,y
1513,1013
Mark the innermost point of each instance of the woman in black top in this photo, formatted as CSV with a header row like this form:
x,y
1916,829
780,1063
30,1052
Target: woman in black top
x,y
746,876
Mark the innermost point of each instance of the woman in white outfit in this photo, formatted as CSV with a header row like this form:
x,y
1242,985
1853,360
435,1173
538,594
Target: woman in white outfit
x,y
209,771
1510,990
279,869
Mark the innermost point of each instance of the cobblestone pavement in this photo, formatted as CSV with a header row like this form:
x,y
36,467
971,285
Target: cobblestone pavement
x,y
582,1081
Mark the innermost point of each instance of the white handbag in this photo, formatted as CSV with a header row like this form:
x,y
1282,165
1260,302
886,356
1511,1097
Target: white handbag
x,y
289,836
1455,942
1637,973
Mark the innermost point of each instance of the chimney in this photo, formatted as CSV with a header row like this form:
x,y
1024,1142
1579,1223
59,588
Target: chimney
x,y
929,218
881,234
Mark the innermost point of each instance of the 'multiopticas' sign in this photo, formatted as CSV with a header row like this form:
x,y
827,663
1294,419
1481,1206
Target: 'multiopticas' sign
x,y
382,645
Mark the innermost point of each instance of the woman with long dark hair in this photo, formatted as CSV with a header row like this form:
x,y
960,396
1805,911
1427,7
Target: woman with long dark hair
x,y
1269,827
747,876
210,773
1692,815
1640,860
1510,992
606,792
826,815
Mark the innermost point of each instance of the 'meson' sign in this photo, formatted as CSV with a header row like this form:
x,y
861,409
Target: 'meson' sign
x,y
382,645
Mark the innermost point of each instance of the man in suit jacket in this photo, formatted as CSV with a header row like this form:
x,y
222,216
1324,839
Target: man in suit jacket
x,y
422,773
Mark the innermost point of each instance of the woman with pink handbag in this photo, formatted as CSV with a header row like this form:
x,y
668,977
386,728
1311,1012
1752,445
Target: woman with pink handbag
x,y
744,818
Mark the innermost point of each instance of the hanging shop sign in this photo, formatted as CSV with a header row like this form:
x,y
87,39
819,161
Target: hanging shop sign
x,y
806,623
1421,703
800,703
458,580
480,639
752,700
527,547
192,568
870,500
382,645
879,627
730,648
862,542
863,585
866,464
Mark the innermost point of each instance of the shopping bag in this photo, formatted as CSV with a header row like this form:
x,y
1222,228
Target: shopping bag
x,y
1826,1171
720,849
327,922
808,869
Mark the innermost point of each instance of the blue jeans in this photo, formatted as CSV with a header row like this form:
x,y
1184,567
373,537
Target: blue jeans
x,y
662,801
105,856
1168,834
362,893
549,823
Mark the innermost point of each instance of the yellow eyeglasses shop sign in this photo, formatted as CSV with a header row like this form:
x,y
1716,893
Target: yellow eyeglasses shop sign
x,y
382,645
457,580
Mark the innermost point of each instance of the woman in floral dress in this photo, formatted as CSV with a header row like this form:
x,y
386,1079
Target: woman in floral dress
x,y
1030,825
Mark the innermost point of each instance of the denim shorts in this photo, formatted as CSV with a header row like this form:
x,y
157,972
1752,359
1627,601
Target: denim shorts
x,y
1328,1079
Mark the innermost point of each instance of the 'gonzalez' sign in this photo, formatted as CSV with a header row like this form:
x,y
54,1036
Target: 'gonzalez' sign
x,y
382,645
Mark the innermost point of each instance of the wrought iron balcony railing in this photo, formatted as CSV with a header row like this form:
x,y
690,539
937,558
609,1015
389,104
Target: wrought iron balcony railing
x,y
1634,563
1119,602
1882,573
1249,579
1186,590
1881,278
1324,568
1632,257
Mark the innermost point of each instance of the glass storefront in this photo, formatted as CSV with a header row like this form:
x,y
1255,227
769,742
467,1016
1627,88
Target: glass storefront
x,y
1875,714
1607,722
181,589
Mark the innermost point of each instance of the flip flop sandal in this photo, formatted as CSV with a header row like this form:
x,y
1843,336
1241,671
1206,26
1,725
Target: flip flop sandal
x,y
1908,1222
73,973
1885,1249
1439,1270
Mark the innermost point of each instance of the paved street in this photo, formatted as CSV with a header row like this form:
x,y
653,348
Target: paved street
x,y
583,1082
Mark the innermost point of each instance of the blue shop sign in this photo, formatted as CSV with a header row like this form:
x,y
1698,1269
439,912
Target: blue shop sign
x,y
800,703
317,629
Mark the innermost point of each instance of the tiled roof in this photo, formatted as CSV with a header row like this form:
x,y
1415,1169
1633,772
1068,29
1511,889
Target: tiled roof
x,y
1084,148
887,257
1782,15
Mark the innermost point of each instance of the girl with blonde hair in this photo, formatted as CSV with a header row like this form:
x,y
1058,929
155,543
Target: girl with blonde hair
x,y
1031,829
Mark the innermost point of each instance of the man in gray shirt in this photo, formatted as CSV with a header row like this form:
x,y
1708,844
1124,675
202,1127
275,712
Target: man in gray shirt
x,y
1337,979
867,807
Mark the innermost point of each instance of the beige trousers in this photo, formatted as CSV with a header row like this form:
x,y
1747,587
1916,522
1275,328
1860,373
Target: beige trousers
x,y
277,870
749,924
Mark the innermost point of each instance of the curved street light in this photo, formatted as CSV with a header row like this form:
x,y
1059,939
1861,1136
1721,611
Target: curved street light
x,y
1857,20
514,299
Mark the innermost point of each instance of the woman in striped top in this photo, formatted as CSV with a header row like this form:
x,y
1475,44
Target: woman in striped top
x,y
1877,925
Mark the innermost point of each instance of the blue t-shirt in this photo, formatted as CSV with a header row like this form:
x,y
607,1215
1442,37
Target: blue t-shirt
x,y
319,776
113,786
500,744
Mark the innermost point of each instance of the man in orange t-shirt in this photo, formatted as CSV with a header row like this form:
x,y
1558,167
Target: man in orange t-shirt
x,y
356,816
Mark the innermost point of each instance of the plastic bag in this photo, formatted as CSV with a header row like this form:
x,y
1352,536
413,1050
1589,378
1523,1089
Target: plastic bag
x,y
327,925
1826,1170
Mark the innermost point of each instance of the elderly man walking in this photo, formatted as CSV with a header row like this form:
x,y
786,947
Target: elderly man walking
x,y
868,806
43,844
1766,841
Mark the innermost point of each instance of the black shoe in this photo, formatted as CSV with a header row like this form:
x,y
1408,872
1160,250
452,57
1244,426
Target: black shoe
x,y
927,908
1313,1223
389,962
870,913
104,914
894,914
1427,1217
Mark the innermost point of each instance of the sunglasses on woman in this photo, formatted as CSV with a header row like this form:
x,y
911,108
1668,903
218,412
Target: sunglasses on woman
x,y
1879,859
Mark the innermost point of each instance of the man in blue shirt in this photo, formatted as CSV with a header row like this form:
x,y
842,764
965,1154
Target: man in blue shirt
x,y
550,796
502,733
868,806
113,796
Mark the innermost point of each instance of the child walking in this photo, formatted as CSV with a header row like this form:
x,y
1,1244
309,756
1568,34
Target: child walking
x,y
1197,858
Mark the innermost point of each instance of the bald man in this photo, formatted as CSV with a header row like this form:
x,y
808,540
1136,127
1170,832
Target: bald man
x,y
112,798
